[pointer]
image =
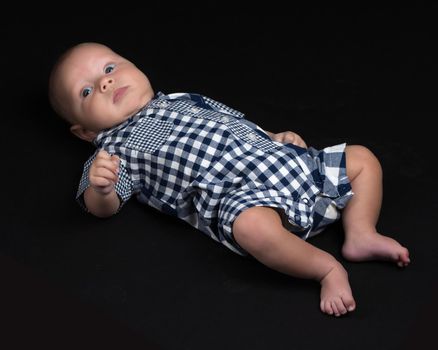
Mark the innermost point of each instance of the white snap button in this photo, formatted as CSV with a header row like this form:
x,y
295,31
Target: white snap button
x,y
163,104
252,137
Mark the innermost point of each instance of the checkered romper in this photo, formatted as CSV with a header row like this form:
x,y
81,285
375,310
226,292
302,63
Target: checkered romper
x,y
195,158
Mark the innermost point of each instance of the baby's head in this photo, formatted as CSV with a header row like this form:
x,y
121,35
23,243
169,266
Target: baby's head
x,y
93,88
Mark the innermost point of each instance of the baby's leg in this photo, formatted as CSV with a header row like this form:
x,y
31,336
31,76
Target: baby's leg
x,y
362,241
260,232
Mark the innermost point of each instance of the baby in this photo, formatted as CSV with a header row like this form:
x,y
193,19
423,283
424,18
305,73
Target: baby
x,y
187,155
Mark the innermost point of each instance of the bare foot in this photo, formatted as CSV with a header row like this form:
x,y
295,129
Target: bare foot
x,y
336,296
374,246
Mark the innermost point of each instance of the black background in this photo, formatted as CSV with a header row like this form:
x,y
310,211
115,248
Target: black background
x,y
359,75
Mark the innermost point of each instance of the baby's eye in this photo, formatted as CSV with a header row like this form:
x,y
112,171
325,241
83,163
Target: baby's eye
x,y
109,68
86,91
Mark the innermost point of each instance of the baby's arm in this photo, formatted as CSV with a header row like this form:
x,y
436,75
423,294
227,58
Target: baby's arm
x,y
101,198
287,137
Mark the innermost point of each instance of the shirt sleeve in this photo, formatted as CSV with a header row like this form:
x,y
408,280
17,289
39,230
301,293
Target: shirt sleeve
x,y
124,186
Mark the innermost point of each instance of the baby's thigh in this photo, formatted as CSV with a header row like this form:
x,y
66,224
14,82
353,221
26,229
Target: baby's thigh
x,y
257,226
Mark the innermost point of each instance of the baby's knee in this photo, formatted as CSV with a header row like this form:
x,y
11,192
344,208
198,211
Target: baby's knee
x,y
255,229
361,157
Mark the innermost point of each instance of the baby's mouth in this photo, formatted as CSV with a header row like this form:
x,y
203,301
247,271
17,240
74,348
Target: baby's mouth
x,y
118,93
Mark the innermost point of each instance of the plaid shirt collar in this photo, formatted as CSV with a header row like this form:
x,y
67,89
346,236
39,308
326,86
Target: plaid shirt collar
x,y
107,132
195,100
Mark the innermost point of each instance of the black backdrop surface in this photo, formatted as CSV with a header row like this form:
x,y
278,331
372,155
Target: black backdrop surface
x,y
141,279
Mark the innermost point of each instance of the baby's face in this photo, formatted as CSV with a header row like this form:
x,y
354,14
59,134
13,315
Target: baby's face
x,y
99,88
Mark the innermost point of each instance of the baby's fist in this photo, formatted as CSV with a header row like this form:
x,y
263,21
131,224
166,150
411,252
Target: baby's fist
x,y
289,137
104,171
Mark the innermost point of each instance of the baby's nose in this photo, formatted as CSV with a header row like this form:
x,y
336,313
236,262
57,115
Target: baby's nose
x,y
106,83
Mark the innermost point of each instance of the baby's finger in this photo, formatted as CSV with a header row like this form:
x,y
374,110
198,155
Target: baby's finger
x,y
301,143
106,173
107,164
115,159
100,182
102,154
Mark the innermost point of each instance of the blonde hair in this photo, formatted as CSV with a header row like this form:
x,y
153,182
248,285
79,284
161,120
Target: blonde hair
x,y
53,88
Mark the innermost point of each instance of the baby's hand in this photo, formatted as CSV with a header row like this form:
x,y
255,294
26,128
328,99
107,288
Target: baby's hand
x,y
289,137
104,172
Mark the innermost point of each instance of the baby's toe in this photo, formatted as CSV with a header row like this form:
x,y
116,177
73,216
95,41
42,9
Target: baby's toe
x,y
326,307
349,303
403,258
342,310
335,308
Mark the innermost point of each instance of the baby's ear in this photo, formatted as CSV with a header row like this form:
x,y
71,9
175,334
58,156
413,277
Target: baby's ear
x,y
83,133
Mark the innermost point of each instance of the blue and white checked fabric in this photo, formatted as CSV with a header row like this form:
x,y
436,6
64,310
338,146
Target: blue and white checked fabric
x,y
195,158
